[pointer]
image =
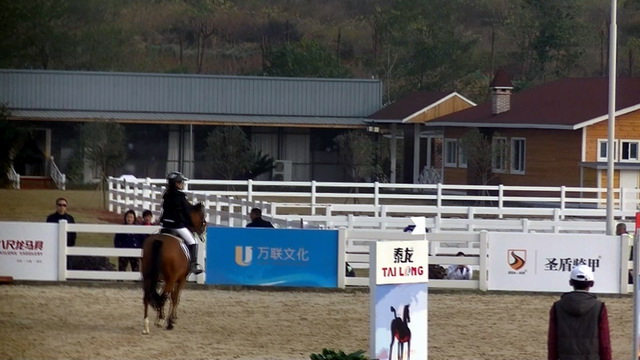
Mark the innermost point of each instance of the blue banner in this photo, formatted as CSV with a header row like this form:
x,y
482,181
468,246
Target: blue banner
x,y
272,257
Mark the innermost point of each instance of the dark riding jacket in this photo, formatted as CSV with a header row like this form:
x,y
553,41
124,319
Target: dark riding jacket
x,y
578,328
176,210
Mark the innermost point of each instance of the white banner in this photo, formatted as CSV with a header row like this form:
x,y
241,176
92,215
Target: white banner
x,y
402,262
543,262
29,251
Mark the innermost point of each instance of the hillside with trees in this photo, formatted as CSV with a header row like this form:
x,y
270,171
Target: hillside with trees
x,y
411,45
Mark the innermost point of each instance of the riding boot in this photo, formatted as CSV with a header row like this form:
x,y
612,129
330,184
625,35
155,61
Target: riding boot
x,y
193,266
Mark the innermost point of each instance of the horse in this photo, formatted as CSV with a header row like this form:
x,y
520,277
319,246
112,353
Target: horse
x,y
164,259
400,331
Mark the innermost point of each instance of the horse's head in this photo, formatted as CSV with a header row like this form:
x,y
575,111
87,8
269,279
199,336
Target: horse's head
x,y
198,222
406,318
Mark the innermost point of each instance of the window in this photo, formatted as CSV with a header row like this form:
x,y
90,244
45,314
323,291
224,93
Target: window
x,y
462,156
629,150
450,152
499,149
602,150
518,151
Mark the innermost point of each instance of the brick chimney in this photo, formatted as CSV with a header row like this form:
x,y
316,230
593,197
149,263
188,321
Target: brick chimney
x,y
501,87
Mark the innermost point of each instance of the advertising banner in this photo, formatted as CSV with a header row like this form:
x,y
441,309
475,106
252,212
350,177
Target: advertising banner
x,y
273,257
29,251
543,262
399,302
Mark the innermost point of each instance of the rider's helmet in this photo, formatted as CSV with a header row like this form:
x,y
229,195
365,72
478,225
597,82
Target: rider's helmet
x,y
175,177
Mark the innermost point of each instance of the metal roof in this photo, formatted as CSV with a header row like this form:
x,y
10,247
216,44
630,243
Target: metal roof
x,y
159,94
178,118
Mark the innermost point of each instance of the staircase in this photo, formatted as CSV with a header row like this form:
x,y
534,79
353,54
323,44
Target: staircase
x,y
37,182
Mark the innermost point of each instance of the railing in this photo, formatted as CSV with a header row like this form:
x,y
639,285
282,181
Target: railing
x,y
383,209
58,177
14,177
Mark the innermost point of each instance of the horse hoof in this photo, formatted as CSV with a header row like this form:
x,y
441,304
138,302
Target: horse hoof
x,y
145,332
170,327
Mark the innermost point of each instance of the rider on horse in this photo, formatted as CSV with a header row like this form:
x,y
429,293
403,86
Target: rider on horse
x,y
176,214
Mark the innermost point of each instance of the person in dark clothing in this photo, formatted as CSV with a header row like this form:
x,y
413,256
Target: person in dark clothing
x,y
132,241
578,322
176,215
257,220
61,214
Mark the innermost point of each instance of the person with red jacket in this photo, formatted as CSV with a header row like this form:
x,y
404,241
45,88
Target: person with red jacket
x,y
578,322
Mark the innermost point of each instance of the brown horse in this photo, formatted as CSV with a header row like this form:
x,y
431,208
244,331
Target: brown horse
x,y
164,259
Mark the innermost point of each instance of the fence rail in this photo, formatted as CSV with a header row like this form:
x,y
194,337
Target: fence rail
x,y
125,193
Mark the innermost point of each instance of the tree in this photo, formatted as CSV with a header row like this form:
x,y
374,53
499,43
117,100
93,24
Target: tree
x,y
11,139
484,155
306,58
229,155
358,152
104,147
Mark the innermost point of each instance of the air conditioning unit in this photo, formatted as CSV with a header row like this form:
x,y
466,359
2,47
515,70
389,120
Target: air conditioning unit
x,y
282,171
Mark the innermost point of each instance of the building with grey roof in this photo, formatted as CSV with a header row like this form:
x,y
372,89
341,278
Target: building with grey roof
x,y
167,116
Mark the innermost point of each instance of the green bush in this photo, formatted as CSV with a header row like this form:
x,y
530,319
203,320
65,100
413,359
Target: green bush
x,y
328,354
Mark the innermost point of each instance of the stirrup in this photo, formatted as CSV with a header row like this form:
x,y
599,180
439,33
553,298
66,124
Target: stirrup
x,y
196,269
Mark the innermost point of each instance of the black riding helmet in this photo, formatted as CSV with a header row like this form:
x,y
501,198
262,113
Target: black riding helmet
x,y
175,177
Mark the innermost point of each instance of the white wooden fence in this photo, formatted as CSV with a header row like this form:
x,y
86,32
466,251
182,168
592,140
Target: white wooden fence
x,y
442,247
129,193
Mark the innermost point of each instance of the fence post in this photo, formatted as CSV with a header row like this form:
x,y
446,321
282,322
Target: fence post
x,y
556,219
350,221
439,195
62,250
218,216
250,190
376,196
625,245
525,225
470,217
484,244
110,182
328,222
342,254
313,197
500,200
563,199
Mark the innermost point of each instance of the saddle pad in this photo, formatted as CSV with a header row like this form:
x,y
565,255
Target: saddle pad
x,y
183,246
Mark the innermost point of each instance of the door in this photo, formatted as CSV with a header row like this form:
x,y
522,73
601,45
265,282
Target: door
x,y
629,182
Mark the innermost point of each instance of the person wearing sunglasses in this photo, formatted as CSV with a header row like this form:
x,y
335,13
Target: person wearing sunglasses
x,y
61,214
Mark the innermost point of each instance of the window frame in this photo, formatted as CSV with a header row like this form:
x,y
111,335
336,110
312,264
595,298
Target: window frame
x,y
501,157
453,143
604,142
513,154
621,148
462,156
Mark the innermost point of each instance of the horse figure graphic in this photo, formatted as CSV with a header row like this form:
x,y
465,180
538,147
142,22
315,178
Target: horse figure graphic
x,y
164,259
400,331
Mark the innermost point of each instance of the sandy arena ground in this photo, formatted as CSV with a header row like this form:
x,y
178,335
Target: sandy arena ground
x,y
100,322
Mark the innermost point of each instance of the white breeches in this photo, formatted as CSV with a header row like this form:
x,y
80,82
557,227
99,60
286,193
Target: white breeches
x,y
186,235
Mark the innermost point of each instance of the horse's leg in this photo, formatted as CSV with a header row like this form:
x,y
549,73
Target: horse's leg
x,y
170,290
391,346
145,301
178,290
409,349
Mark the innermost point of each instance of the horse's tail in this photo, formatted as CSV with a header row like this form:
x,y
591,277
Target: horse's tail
x,y
152,277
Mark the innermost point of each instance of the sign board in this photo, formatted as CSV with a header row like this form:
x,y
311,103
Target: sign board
x,y
273,257
543,262
29,251
399,289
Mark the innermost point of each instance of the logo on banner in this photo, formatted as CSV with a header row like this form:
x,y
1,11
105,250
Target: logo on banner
x,y
517,258
244,255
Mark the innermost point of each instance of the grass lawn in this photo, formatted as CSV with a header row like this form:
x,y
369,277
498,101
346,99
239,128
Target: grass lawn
x,y
35,205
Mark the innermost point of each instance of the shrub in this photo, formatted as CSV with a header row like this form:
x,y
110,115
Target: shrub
x,y
328,354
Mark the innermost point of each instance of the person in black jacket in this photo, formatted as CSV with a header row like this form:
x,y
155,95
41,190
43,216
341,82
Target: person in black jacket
x,y
61,214
131,241
176,215
257,220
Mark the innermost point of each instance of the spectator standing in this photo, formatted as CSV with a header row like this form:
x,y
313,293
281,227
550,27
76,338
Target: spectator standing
x,y
128,241
256,219
147,217
61,214
459,272
578,322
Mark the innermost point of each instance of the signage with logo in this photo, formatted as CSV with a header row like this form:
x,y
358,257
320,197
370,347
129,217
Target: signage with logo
x,y
29,251
543,262
399,287
274,257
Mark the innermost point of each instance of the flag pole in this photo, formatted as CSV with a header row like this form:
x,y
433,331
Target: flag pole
x,y
612,116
